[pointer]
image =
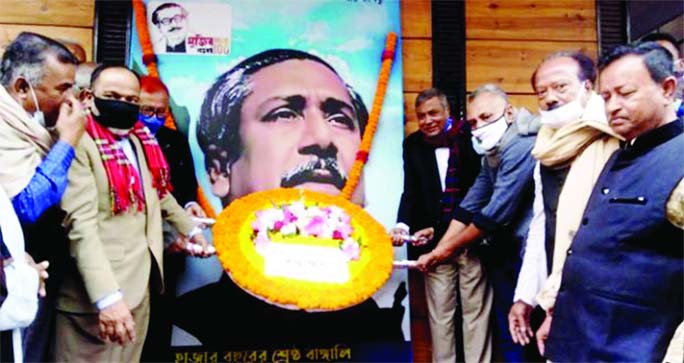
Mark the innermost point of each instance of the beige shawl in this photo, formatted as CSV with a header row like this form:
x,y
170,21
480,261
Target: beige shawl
x,y
23,145
585,145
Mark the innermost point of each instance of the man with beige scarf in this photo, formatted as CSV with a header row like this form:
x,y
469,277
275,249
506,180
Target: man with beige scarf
x,y
572,147
40,123
621,296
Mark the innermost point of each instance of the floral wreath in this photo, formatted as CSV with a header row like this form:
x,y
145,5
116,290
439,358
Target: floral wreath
x,y
239,232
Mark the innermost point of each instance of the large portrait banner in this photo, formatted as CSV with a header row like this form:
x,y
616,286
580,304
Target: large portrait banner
x,y
270,94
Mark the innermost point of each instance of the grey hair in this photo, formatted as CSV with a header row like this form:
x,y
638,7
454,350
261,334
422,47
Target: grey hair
x,y
488,88
429,93
32,72
25,55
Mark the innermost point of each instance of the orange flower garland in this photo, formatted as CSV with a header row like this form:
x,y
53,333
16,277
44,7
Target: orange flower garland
x,y
236,250
149,58
373,118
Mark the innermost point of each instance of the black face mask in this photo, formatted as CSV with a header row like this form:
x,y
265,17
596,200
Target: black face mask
x,y
116,114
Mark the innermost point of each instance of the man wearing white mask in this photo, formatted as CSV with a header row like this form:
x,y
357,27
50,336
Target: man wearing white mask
x,y
40,124
498,207
572,147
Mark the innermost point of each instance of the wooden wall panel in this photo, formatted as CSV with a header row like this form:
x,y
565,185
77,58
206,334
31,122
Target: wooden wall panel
x,y
417,62
70,20
507,39
531,19
416,37
420,329
416,34
82,36
416,19
410,121
511,63
70,13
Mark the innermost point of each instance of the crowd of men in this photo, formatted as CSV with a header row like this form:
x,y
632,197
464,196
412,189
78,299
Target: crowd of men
x,y
564,225
572,230
90,181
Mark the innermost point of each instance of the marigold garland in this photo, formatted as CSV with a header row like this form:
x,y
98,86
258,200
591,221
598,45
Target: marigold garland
x,y
149,59
234,243
373,119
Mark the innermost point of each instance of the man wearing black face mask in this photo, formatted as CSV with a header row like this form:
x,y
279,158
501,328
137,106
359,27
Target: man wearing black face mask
x,y
118,187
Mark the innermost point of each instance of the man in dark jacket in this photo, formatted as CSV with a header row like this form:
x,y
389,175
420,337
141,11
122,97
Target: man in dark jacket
x,y
154,108
621,294
439,167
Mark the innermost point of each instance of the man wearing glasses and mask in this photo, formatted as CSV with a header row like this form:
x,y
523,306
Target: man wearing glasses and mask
x,y
154,108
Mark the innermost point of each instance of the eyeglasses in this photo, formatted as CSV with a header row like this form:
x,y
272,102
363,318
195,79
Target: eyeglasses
x,y
148,111
176,19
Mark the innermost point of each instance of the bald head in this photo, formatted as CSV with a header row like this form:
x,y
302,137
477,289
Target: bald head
x,y
117,83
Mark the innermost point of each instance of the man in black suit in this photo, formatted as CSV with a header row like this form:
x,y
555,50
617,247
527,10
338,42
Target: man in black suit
x,y
154,106
439,167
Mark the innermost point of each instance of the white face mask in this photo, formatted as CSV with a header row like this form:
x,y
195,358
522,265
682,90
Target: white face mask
x,y
485,138
563,115
38,116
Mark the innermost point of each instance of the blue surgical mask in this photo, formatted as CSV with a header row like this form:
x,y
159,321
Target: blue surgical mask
x,y
152,122
447,125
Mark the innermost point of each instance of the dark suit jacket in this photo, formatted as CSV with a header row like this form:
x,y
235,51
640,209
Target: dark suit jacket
x,y
420,205
176,149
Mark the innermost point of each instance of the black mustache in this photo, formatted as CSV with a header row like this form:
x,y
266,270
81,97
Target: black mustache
x,y
307,173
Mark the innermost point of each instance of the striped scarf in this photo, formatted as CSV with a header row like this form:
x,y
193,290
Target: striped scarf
x,y
125,186
452,188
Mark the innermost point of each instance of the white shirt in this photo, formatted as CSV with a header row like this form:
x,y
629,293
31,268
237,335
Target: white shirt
x,y
533,271
442,157
127,147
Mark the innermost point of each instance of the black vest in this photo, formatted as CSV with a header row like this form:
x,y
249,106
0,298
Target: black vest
x,y
621,297
552,184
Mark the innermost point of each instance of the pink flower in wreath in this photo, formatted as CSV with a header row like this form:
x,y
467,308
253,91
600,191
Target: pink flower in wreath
x,y
316,226
343,231
351,249
261,241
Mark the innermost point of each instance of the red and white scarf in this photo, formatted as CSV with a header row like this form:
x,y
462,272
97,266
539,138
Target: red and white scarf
x,y
125,187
